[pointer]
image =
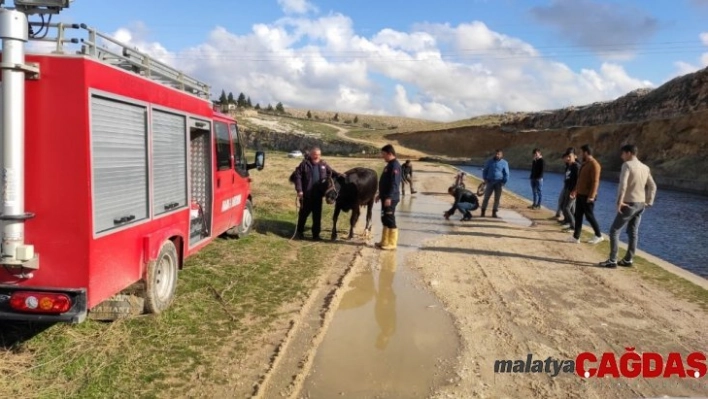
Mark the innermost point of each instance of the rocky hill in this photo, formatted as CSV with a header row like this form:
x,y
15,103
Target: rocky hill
x,y
684,94
669,125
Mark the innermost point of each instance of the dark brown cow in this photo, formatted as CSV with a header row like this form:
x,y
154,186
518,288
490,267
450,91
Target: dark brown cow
x,y
350,193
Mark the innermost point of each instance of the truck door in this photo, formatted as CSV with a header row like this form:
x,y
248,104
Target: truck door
x,y
223,180
241,181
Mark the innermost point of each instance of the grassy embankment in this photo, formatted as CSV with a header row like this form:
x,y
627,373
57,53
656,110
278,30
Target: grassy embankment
x,y
229,297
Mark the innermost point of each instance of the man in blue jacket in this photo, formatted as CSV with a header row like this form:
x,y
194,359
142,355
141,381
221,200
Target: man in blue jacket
x,y
495,174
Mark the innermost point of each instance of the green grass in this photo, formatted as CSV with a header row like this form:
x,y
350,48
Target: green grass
x,y
229,295
657,275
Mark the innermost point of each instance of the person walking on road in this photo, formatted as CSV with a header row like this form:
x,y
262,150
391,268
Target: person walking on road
x,y
465,202
310,179
635,192
537,178
390,195
495,175
407,169
585,195
572,167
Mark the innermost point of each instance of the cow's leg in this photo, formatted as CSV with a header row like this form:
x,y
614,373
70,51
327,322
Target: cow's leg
x,y
334,222
352,222
369,212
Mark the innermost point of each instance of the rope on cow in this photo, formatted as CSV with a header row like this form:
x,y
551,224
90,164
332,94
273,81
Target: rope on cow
x,y
297,215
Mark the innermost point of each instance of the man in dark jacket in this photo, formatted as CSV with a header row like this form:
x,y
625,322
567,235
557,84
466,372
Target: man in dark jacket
x,y
465,202
390,195
407,169
572,167
310,179
537,178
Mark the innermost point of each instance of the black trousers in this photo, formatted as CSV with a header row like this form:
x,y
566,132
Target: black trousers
x,y
310,205
388,215
587,209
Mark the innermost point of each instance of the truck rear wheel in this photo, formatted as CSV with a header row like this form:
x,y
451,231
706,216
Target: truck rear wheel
x,y
161,280
243,229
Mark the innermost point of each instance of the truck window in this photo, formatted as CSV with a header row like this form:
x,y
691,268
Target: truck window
x,y
238,148
223,146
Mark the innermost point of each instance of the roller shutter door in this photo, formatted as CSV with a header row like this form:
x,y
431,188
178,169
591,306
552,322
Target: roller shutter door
x,y
119,159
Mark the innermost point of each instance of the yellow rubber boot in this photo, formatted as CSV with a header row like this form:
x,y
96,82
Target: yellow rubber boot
x,y
392,240
384,238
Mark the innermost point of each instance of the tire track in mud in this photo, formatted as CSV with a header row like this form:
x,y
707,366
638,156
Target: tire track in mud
x,y
293,358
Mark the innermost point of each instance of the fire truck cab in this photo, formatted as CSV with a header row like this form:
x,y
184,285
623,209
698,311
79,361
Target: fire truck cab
x,y
116,168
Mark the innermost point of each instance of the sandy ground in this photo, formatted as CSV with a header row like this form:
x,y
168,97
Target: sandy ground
x,y
517,290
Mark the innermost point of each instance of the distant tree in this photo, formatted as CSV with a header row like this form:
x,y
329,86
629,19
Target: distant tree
x,y
257,107
241,101
356,119
222,97
269,108
309,115
336,117
279,108
248,103
231,98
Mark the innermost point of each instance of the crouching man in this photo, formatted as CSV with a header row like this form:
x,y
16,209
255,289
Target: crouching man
x,y
465,202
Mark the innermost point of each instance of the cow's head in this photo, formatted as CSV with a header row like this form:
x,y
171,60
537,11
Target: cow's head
x,y
333,187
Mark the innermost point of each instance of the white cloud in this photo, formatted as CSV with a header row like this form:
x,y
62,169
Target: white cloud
x,y
296,6
683,67
433,71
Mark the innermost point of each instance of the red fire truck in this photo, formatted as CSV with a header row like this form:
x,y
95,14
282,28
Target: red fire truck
x,y
116,168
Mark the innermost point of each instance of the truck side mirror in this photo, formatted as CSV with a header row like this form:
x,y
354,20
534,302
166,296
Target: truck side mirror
x,y
260,161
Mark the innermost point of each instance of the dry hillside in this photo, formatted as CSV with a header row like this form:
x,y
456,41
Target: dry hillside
x,y
669,124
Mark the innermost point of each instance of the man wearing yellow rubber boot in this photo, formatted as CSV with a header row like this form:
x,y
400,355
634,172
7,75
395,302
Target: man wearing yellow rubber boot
x,y
390,195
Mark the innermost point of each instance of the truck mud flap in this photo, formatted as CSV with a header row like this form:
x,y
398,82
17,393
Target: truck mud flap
x,y
76,314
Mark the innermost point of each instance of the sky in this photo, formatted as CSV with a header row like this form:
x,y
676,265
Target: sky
x,y
439,60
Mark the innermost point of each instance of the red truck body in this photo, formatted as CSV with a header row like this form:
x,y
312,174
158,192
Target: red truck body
x,y
116,166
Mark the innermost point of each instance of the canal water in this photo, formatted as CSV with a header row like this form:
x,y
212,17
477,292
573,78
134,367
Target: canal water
x,y
674,229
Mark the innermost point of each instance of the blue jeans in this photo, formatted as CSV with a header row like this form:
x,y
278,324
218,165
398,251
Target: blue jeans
x,y
630,217
537,187
466,207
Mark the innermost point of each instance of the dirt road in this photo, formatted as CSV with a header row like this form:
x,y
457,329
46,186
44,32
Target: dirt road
x,y
514,290
517,290
402,151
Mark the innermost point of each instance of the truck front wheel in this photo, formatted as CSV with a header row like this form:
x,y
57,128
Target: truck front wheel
x,y
161,280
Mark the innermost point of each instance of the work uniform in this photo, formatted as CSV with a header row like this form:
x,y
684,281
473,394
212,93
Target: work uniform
x,y
389,189
311,179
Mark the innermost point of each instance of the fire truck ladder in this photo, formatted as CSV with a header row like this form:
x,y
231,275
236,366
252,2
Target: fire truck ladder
x,y
109,50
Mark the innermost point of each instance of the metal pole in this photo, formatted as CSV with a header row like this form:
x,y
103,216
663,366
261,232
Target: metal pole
x,y
14,34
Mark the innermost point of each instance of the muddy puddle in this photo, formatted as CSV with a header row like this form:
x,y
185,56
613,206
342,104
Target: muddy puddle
x,y
389,337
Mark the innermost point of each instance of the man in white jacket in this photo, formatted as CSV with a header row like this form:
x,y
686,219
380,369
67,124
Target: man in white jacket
x,y
636,191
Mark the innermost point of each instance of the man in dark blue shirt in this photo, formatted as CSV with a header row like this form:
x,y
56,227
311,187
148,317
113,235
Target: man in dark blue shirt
x,y
537,166
390,195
